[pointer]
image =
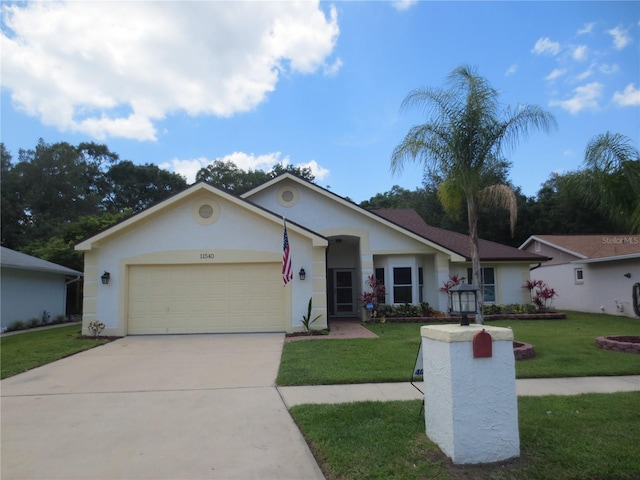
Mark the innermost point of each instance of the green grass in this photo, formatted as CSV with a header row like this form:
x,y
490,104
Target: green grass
x,y
19,353
574,437
564,348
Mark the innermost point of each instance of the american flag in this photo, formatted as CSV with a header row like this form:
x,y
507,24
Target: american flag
x,y
287,271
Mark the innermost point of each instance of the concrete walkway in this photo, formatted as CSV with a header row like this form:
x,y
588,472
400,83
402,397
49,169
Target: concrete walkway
x,y
384,392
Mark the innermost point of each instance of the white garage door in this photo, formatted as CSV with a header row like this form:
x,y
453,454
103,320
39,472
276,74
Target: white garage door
x,y
221,298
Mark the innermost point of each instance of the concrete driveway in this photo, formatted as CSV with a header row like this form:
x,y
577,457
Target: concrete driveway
x,y
155,407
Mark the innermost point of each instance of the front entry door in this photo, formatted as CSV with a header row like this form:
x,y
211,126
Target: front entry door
x,y
344,301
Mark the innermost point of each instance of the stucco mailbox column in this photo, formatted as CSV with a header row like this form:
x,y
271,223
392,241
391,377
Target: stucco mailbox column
x,y
471,407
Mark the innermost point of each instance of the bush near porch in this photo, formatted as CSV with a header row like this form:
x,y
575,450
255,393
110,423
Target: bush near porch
x,y
424,312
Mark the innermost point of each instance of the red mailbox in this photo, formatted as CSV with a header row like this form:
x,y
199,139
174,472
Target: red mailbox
x,y
482,345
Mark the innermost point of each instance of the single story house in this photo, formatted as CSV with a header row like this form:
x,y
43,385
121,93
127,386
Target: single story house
x,y
205,261
32,288
590,273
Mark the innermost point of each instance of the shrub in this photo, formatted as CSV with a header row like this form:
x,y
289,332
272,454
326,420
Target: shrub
x,y
541,294
34,322
17,325
95,328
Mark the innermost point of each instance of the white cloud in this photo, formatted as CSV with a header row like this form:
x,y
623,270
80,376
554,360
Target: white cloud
x,y
580,52
629,97
333,69
607,69
114,69
586,74
546,46
187,168
402,5
245,161
585,97
320,173
620,37
556,73
586,28
511,70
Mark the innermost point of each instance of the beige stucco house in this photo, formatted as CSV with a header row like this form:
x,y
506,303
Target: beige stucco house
x,y
205,261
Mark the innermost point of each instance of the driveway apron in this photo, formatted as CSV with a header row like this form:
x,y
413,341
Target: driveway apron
x,y
155,407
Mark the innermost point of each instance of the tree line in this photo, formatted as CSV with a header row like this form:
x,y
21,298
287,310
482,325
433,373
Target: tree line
x,y
57,194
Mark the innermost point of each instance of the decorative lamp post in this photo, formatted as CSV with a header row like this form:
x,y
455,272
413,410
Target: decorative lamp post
x,y
463,301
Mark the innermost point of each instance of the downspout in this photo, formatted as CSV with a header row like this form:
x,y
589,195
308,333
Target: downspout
x,y
533,268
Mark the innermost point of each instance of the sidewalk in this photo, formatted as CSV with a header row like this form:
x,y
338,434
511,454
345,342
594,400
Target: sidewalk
x,y
384,392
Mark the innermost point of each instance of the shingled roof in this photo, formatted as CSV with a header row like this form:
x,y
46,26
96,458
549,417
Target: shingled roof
x,y
588,247
489,251
21,261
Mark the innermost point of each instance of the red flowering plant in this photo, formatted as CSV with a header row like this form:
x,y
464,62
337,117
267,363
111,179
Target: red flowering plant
x,y
372,298
452,282
541,294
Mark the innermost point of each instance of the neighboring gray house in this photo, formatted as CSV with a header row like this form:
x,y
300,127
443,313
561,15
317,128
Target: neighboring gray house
x,y
590,273
31,286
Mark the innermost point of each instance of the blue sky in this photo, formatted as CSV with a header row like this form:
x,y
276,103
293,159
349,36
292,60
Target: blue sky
x,y
179,84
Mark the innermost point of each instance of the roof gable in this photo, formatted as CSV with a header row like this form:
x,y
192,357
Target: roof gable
x,y
188,194
589,247
287,177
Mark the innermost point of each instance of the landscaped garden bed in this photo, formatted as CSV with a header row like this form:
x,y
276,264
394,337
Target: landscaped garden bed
x,y
499,316
620,343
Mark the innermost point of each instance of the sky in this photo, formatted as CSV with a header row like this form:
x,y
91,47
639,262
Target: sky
x,y
311,84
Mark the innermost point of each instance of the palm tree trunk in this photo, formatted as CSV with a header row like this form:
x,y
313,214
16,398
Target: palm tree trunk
x,y
472,209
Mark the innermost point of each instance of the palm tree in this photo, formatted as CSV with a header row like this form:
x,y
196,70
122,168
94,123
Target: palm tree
x,y
610,182
462,143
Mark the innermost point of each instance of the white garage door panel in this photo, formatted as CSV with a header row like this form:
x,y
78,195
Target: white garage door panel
x,y
205,298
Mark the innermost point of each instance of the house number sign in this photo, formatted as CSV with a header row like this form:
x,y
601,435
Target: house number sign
x,y
206,256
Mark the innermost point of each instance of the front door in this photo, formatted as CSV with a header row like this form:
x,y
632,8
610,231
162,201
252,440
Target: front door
x,y
344,301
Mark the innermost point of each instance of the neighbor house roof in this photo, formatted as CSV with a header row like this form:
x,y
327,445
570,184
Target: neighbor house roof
x,y
458,242
21,261
591,247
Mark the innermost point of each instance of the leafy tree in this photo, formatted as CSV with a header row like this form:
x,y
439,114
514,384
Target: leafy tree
x,y
557,210
230,178
136,187
304,173
60,248
610,181
53,185
463,142
13,215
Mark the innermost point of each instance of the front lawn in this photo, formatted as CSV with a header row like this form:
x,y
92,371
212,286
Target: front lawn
x,y
19,353
582,437
564,348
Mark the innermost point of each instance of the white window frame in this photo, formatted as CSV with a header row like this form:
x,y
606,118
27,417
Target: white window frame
x,y
578,275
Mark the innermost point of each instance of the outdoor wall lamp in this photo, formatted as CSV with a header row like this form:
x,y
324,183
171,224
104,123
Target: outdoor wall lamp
x,y
302,274
463,299
106,276
628,275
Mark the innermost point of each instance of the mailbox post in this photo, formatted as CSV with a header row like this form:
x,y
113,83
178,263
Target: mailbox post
x,y
471,408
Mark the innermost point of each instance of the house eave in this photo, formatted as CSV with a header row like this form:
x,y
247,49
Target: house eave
x,y
616,258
